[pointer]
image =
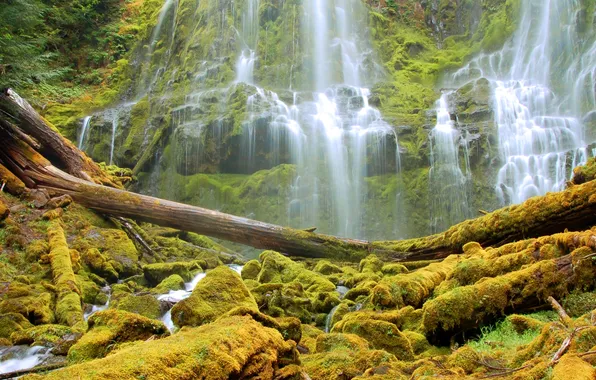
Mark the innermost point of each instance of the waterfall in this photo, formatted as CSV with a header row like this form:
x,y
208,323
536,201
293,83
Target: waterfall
x,y
84,128
448,184
543,89
338,126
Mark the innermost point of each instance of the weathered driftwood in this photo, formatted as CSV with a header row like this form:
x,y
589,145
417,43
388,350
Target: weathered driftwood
x,y
574,208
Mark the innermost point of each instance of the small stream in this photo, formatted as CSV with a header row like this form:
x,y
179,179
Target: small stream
x,y
175,296
16,358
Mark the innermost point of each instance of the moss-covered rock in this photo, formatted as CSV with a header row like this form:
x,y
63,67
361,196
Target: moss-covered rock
x,y
173,282
326,267
34,302
335,341
156,273
380,334
370,264
233,347
250,270
115,246
220,291
146,305
100,264
110,327
60,337
277,268
12,322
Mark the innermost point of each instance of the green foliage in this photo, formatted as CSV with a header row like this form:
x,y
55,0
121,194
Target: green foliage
x,y
502,336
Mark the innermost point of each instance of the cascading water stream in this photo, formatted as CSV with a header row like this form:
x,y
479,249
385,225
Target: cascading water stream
x,y
448,184
84,128
543,87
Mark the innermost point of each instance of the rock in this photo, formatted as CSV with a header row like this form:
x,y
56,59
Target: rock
x,y
60,202
173,282
100,265
12,322
33,302
38,197
60,338
325,267
146,305
111,327
220,291
381,335
233,347
116,247
251,270
156,273
571,367
393,269
370,264
335,341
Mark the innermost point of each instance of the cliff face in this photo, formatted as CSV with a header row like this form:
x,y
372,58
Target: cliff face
x,y
175,110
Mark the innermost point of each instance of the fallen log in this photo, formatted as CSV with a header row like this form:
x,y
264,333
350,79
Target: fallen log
x,y
16,111
573,209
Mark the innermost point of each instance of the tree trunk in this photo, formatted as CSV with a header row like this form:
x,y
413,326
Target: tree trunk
x,y
17,111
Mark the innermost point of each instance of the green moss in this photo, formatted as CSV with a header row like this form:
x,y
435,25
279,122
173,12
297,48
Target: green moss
x,y
221,290
44,335
68,304
250,270
173,282
110,327
381,335
100,264
325,267
146,305
233,347
156,273
335,341
12,322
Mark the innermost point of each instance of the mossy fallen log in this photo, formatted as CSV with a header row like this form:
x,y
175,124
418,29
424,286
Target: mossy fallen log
x,y
68,304
572,209
467,307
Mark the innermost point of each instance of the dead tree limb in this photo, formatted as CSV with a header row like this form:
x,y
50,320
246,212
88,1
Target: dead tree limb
x,y
17,111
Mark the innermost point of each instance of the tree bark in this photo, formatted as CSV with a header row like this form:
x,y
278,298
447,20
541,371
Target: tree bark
x,y
17,111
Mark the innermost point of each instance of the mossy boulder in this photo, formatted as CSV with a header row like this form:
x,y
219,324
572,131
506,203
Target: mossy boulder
x,y
370,264
59,337
173,282
277,268
335,341
381,335
233,347
100,264
146,305
572,367
220,291
116,247
110,327
326,267
34,302
251,270
12,322
156,273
